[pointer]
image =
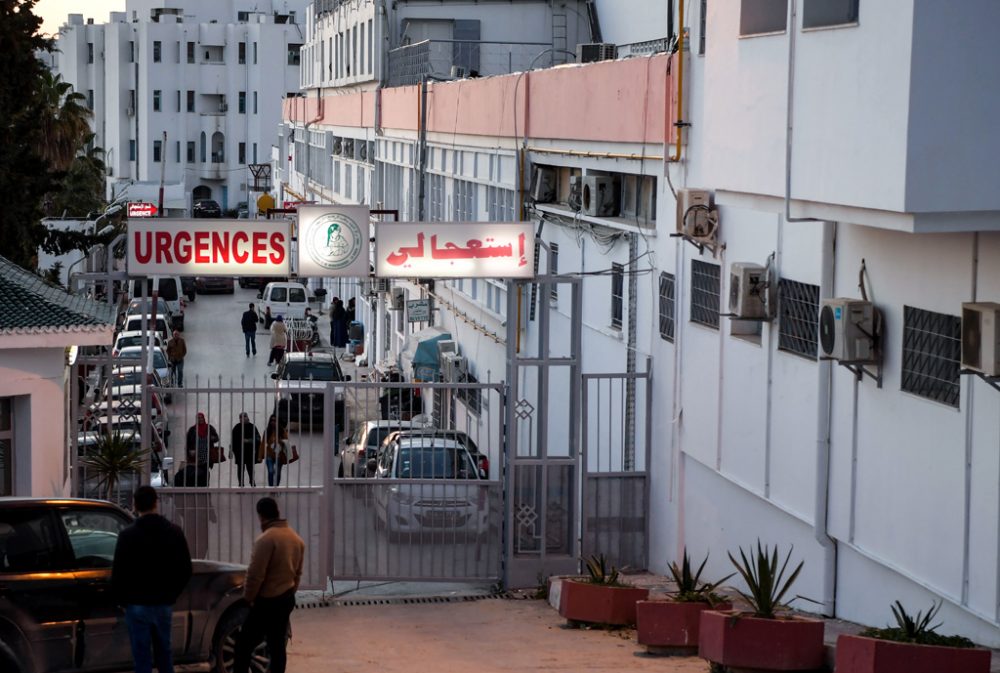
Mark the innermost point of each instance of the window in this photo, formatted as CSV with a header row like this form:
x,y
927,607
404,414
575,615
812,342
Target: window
x,y
90,98
705,293
667,306
90,52
361,51
932,354
178,100
336,176
157,51
131,99
255,53
131,150
293,54
190,52
156,100
348,180
255,152
798,317
6,446
371,40
617,295
242,53
190,151
471,396
157,150
131,52
203,145
242,17
554,269
242,103
243,153
29,541
177,151
92,536
759,17
255,102
823,13
190,101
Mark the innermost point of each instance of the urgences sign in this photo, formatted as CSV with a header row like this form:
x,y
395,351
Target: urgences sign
x,y
208,247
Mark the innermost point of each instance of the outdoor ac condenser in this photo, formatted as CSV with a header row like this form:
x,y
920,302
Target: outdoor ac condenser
x,y
598,198
847,330
748,291
981,337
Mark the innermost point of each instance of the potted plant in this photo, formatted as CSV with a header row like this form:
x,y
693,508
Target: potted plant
x,y
671,626
112,457
767,638
600,598
912,646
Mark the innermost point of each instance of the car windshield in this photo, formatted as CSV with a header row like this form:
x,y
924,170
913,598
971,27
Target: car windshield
x,y
435,462
125,342
377,435
317,371
135,324
159,361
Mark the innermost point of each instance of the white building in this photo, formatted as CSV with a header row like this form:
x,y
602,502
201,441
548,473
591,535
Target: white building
x,y
887,491
192,89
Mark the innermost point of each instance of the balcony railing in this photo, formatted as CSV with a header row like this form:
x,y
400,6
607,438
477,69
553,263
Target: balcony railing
x,y
448,59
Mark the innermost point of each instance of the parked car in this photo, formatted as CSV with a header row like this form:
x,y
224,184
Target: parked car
x,y
481,459
140,306
159,324
159,359
58,609
242,210
259,282
287,299
206,208
126,339
364,443
187,284
207,284
457,506
307,370
170,289
94,425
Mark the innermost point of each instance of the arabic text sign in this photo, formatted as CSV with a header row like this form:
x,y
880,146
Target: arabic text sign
x,y
418,310
208,247
454,250
141,209
334,240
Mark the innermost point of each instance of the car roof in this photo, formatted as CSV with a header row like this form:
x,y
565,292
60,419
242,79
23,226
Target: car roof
x,y
393,425
21,501
309,357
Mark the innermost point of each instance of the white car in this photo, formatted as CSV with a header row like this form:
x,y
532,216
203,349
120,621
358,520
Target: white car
x,y
159,359
364,442
170,290
159,324
126,339
285,299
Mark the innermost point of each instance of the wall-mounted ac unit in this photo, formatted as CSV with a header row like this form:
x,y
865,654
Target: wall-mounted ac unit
x,y
543,184
575,191
454,368
379,285
338,146
749,289
697,217
847,330
596,51
598,197
458,72
349,148
363,152
398,299
981,337
446,346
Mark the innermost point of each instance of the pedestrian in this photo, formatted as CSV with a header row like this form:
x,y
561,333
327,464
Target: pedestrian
x,y
249,324
268,318
279,340
150,547
245,440
176,352
338,325
271,582
202,441
352,313
273,449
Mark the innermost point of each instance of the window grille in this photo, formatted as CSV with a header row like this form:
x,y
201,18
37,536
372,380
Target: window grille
x,y
617,295
471,396
798,317
466,203
667,306
553,270
501,204
705,293
932,353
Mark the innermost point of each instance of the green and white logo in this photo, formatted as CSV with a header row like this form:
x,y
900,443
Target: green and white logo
x,y
333,241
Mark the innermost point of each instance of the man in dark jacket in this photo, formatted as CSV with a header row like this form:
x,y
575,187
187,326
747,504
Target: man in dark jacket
x,y
244,443
151,568
249,324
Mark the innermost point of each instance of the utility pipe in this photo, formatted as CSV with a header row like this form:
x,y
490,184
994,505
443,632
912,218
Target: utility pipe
x,y
789,89
970,389
680,83
595,155
824,411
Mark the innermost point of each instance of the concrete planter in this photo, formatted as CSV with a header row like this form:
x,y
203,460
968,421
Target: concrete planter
x,y
857,654
598,603
741,641
670,627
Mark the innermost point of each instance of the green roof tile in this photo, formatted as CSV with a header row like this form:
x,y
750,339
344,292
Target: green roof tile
x,y
30,304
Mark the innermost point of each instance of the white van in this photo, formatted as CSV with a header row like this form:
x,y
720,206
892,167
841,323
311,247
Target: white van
x,y
285,299
170,291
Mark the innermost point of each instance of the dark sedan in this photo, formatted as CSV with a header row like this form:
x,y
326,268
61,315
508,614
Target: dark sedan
x,y
57,612
211,284
206,208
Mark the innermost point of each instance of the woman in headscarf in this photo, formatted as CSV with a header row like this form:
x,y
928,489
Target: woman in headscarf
x,y
338,325
273,450
201,437
279,340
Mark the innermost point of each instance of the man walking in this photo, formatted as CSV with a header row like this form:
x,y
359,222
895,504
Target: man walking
x,y
151,547
176,352
244,442
249,324
272,579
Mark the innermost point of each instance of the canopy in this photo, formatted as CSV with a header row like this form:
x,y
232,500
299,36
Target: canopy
x,y
420,356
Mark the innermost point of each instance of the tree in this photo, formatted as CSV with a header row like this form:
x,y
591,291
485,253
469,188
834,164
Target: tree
x,y
81,190
64,123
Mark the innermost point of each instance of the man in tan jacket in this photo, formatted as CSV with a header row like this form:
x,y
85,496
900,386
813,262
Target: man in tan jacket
x,y
272,580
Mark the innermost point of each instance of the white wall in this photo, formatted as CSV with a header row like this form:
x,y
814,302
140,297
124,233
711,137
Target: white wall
x,y
643,20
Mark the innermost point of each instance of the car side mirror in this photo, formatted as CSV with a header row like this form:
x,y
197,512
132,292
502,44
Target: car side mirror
x,y
260,295
274,375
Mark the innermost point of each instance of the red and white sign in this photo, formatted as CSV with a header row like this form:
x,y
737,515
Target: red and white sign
x,y
295,204
141,209
454,250
208,247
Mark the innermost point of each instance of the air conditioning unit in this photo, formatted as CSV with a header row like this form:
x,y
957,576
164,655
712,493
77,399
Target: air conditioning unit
x,y
454,368
378,285
598,197
338,146
575,191
543,184
363,152
596,51
749,289
697,216
981,337
398,299
458,72
446,346
847,330
349,148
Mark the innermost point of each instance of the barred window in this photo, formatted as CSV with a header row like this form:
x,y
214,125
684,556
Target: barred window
x,y
705,293
667,306
617,295
471,396
553,270
932,353
798,318
466,202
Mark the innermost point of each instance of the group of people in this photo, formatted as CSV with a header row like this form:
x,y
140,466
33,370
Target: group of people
x,y
341,318
247,446
152,546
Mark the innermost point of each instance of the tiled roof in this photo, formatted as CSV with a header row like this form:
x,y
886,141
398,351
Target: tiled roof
x,y
30,305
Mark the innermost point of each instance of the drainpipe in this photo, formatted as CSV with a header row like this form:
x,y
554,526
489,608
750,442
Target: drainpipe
x,y
824,409
678,125
792,26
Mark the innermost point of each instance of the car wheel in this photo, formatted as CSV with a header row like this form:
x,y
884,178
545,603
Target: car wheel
x,y
224,645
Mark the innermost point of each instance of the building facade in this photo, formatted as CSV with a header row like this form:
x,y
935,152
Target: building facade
x,y
185,93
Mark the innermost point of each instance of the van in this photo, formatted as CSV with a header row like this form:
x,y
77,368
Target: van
x,y
285,299
170,290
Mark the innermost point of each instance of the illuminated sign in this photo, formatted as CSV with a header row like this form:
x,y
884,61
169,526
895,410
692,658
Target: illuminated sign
x,y
454,250
333,241
141,209
208,247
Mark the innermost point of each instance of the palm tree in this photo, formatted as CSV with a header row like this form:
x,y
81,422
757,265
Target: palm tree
x,y
64,122
112,457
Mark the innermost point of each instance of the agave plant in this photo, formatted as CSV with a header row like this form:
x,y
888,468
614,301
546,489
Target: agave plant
x,y
690,588
600,571
767,584
112,457
918,630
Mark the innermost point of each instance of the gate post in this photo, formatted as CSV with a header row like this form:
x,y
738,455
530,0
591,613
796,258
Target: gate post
x,y
326,495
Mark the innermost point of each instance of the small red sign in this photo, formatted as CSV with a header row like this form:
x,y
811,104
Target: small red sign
x,y
296,204
141,209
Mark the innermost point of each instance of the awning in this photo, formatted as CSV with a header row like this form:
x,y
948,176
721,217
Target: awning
x,y
419,357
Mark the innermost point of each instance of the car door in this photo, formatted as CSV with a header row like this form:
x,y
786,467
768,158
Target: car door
x,y
38,589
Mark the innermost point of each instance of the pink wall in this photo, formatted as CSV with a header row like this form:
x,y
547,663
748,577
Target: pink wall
x,y
613,101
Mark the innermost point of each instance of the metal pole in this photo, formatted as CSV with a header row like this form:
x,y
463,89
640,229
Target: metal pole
x,y
326,512
163,171
509,457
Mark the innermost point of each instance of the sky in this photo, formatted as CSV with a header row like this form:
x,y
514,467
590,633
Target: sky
x,y
54,12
